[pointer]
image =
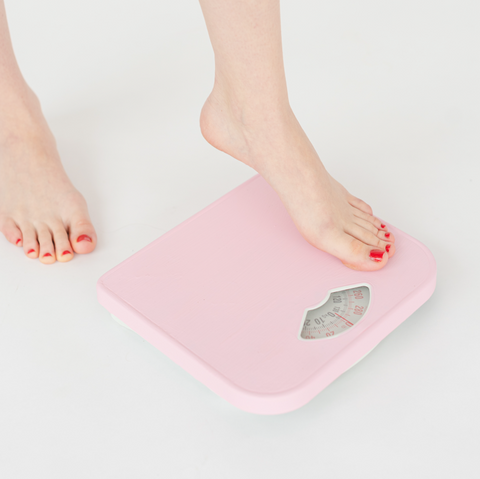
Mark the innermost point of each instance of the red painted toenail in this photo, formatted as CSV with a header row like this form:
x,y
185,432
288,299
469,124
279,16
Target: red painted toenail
x,y
84,238
387,248
31,251
47,254
376,255
382,225
387,235
18,241
66,252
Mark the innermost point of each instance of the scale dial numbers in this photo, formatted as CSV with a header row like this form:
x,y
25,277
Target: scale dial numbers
x,y
341,312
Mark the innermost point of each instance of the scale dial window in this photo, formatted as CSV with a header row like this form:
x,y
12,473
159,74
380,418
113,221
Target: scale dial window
x,y
338,314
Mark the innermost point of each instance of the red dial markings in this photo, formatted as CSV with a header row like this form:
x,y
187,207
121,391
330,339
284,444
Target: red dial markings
x,y
346,320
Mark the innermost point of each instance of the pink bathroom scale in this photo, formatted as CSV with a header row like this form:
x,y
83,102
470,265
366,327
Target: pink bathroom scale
x,y
241,301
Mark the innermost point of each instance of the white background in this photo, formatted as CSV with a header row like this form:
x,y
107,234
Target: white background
x,y
388,92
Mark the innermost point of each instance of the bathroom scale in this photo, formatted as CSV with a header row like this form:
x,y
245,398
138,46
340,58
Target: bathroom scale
x,y
239,299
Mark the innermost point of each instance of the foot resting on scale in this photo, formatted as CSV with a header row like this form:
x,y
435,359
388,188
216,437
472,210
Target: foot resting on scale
x,y
269,139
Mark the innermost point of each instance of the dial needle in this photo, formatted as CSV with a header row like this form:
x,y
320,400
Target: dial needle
x,y
346,320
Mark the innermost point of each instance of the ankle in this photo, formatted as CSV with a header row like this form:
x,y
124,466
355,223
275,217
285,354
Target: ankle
x,y
21,116
18,102
239,124
252,104
232,119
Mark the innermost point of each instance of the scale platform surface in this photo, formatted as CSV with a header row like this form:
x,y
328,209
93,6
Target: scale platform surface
x,y
239,299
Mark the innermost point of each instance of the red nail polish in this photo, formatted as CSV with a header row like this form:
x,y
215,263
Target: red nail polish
x,y
31,251
376,255
84,238
387,248
387,235
382,225
66,252
47,254
18,241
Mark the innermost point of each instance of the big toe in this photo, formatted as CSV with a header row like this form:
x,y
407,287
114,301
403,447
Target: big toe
x,y
357,255
82,236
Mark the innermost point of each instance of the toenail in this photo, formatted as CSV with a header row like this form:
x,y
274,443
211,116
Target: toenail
x,y
84,238
387,235
18,241
382,225
47,254
66,252
31,251
387,248
376,255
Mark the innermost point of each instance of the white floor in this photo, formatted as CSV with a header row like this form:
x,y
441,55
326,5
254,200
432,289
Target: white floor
x,y
388,93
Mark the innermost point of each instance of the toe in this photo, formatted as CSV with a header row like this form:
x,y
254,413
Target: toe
x,y
374,225
359,256
360,204
390,249
383,225
387,236
364,224
371,219
30,243
63,249
47,250
366,236
82,236
11,231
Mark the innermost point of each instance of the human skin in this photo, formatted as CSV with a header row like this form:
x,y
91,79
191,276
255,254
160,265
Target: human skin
x,y
40,209
247,115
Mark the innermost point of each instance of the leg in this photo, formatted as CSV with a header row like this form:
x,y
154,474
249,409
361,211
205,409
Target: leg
x,y
248,116
40,209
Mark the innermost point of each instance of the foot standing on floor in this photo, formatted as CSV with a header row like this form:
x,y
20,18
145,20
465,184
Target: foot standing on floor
x,y
40,209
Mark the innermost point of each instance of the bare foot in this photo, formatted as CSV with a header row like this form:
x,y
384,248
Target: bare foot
x,y
275,145
40,209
